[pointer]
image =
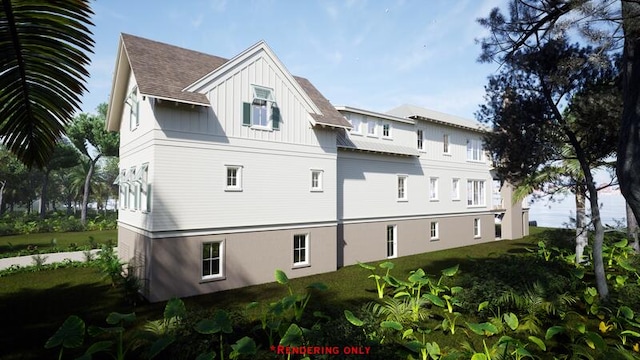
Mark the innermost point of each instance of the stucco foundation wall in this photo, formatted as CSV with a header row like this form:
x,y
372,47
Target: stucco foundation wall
x,y
175,264
366,241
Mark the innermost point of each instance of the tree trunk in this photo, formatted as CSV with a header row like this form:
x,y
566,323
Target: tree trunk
x,y
87,189
582,232
632,229
2,185
628,165
43,194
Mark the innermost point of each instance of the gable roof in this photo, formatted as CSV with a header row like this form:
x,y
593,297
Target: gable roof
x,y
163,71
418,113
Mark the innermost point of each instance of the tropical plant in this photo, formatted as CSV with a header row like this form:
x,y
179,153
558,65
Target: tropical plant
x,y
380,280
42,76
294,301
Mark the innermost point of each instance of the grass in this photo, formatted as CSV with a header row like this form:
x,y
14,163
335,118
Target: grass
x,y
36,304
14,245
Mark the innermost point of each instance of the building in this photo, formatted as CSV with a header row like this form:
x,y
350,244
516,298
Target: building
x,y
232,168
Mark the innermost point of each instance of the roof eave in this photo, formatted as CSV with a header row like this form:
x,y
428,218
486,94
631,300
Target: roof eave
x,y
120,80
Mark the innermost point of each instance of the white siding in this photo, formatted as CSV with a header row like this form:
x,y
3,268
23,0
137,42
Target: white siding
x,y
189,190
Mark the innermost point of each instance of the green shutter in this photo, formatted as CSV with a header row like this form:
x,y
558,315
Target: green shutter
x,y
246,114
275,118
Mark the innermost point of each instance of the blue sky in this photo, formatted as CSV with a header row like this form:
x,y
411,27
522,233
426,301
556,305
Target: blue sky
x,y
374,55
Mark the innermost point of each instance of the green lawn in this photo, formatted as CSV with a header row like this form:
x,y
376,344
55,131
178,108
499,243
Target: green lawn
x,y
14,245
34,305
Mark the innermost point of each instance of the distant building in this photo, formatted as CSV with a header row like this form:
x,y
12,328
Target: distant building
x,y
232,168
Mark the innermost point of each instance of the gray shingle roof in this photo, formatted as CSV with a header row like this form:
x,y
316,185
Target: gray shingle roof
x,y
163,71
418,113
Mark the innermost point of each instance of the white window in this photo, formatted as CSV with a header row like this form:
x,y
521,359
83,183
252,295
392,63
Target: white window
x,y
475,193
420,135
133,190
212,260
371,127
445,143
476,227
300,249
474,150
355,124
433,231
392,241
316,180
233,177
132,101
455,189
123,188
402,188
261,112
386,130
142,188
433,188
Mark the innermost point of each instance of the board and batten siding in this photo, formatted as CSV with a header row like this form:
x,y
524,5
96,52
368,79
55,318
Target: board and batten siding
x,y
190,185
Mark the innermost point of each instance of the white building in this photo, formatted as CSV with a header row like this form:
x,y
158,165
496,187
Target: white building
x,y
233,168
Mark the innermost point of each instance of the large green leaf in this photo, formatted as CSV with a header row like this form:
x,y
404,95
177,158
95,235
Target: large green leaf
x,y
366,266
450,271
352,318
281,277
44,48
175,309
117,318
511,320
220,322
435,299
70,334
159,345
391,325
538,341
485,328
292,337
554,330
244,346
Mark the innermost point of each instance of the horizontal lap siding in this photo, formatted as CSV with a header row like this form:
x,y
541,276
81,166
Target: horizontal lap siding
x,y
189,191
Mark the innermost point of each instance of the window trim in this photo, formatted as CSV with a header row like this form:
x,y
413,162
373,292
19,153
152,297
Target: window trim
x,y
394,240
404,188
239,178
455,190
369,123
471,191
389,134
434,230
319,187
134,108
477,228
475,147
304,249
262,96
221,261
133,189
446,144
434,192
356,125
420,138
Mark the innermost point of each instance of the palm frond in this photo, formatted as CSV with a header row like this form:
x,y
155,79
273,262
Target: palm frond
x,y
43,59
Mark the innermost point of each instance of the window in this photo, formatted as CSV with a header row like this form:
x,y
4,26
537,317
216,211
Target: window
x,y
123,187
402,187
392,244
433,230
132,203
476,227
420,135
261,112
371,128
234,178
455,189
316,180
142,188
355,124
300,249
445,143
132,101
433,188
212,260
475,193
386,130
474,150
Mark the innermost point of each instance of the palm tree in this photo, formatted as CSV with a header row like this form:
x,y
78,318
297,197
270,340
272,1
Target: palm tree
x,y
43,60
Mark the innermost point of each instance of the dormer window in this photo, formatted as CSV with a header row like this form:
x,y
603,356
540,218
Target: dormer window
x,y
262,112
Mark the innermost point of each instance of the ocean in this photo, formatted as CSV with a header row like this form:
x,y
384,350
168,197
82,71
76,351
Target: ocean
x,y
558,213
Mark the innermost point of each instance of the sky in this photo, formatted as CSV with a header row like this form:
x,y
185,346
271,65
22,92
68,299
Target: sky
x,y
374,55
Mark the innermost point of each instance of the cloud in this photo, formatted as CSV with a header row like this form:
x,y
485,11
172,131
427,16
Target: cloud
x,y
197,21
218,6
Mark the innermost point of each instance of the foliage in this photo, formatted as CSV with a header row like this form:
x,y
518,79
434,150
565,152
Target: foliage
x,y
37,97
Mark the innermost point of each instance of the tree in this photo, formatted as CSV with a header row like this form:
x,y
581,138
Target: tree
x,y
12,175
540,102
43,59
64,156
88,135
